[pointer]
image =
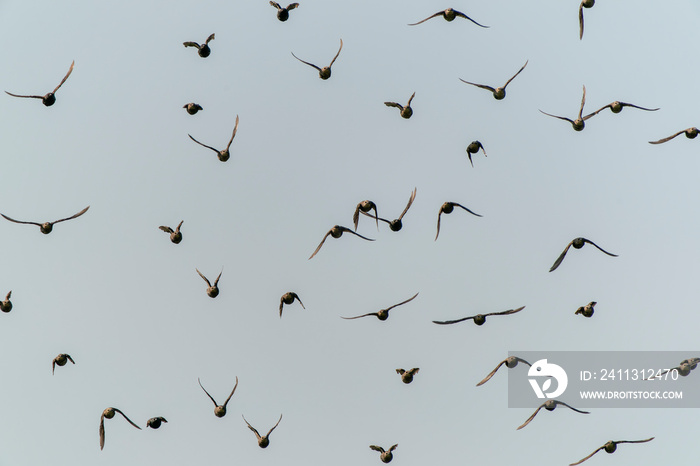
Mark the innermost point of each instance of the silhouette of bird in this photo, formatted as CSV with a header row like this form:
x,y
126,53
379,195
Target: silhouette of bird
x,y
46,227
336,232
577,243
288,298
407,376
109,414
50,98
447,208
499,93
283,13
584,4
325,72
155,422
396,224
549,405
263,441
365,206
203,50
587,310
510,362
617,106
223,154
175,235
683,369
610,447
690,133
192,108
385,456
449,15
473,148
61,361
406,111
212,290
6,305
382,314
219,410
579,123
479,319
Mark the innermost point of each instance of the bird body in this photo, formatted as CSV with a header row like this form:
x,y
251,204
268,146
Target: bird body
x,y
61,361
407,111
587,310
203,50
407,376
447,208
109,414
6,305
385,455
212,290
283,13
577,243
288,298
473,148
192,108
155,422
176,234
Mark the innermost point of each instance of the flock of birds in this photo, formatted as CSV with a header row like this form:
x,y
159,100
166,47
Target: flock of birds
x,y
369,209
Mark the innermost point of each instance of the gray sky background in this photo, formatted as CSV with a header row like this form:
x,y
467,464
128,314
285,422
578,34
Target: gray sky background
x,y
111,290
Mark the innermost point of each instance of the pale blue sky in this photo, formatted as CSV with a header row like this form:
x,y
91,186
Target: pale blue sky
x,y
111,290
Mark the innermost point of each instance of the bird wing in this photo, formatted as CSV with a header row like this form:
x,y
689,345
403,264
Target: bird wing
x,y
255,431
336,55
216,282
292,6
459,205
20,221
205,391
508,82
102,431
73,216
210,38
426,19
320,244
344,229
571,407
414,371
583,102
376,314
400,371
53,366
410,99
650,142
208,147
581,461
70,359
281,305
402,302
190,44
306,62
179,225
459,13
376,448
438,222
483,86
235,128
130,421
560,258
296,296
505,313
274,427
491,374
625,104
166,229
531,417
410,202
356,216
203,277
603,250
580,21
276,5
70,70
447,322
232,392
393,447
560,117
634,441
393,104
26,96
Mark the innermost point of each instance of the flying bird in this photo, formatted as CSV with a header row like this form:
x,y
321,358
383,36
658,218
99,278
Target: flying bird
x,y
175,235
683,369
46,227
155,422
219,410
223,154
510,362
450,14
690,133
577,243
365,206
6,305
192,108
499,93
447,208
385,455
283,13
382,314
473,148
479,319
610,447
549,405
617,106
406,111
587,310
61,361
584,4
336,232
396,224
109,414
407,376
288,298
203,50
325,72
212,290
50,98
264,440
579,123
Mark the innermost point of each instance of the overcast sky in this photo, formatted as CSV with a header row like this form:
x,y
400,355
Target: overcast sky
x,y
111,290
